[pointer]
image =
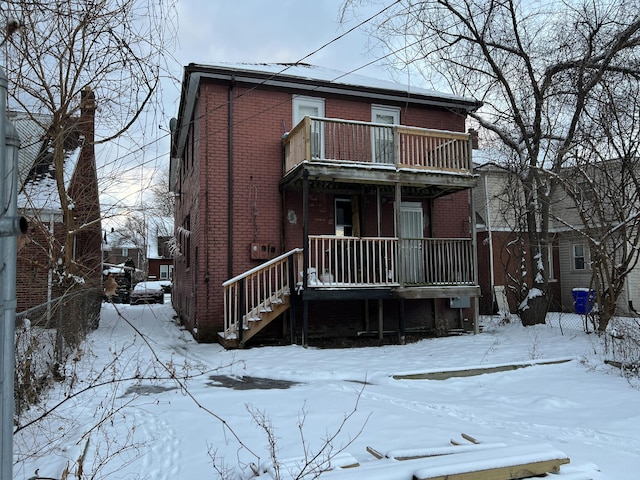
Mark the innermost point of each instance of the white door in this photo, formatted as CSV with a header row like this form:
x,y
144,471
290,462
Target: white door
x,y
312,107
413,260
382,147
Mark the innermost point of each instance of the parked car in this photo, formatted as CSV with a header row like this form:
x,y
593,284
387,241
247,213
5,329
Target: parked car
x,y
147,292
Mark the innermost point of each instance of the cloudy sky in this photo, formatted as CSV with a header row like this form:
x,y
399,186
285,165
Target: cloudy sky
x,y
251,31
269,31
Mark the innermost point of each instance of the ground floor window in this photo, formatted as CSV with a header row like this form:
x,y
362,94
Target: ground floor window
x,y
166,272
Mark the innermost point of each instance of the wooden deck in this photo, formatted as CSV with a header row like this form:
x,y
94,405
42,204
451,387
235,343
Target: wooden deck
x,y
347,268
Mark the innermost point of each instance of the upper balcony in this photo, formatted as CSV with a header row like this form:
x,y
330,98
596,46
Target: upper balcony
x,y
353,151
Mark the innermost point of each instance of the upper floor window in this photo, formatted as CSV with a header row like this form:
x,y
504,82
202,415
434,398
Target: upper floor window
x,y
125,252
579,256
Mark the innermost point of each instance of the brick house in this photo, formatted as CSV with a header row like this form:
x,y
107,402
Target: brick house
x,y
149,249
310,203
159,254
38,201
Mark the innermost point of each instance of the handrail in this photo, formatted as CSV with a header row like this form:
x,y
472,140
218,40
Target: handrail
x,y
260,267
357,262
316,139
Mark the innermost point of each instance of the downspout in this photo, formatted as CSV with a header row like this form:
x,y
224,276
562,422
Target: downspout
x,y
490,238
230,182
474,247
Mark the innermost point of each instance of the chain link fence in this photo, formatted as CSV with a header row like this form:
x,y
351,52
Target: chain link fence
x,y
46,335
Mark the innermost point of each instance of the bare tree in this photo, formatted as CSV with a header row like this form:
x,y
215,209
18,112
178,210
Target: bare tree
x,y
162,201
603,183
539,67
57,50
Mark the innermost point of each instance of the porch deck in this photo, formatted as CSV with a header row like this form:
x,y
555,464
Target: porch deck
x,y
351,268
377,153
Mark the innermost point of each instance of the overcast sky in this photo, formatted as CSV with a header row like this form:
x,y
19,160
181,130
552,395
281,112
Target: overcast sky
x,y
272,31
251,31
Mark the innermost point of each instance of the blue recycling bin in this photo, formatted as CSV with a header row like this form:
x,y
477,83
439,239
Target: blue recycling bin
x,y
583,300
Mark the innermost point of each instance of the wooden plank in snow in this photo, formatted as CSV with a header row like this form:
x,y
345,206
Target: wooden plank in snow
x,y
413,453
506,463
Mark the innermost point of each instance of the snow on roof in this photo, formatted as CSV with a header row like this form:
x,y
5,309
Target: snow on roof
x,y
316,73
157,227
31,130
38,186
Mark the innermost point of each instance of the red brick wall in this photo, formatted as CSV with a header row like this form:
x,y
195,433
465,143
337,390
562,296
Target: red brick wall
x,y
260,117
33,264
507,265
450,217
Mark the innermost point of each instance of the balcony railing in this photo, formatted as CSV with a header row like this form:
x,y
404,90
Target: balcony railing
x,y
353,262
329,139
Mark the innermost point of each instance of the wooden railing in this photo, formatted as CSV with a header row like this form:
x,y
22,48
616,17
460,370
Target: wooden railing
x,y
329,139
448,261
352,261
255,290
355,262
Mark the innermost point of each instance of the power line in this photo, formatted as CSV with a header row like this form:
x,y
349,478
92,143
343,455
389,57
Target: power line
x,y
253,88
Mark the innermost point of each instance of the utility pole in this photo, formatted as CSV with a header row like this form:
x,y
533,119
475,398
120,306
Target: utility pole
x,y
11,225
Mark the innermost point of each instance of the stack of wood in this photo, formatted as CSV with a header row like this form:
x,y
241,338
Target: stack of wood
x,y
465,459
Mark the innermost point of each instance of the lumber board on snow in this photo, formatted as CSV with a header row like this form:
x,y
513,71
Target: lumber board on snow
x,y
527,470
502,463
412,453
505,463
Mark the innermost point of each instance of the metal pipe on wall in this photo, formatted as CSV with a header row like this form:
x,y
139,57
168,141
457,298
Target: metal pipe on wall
x,y
8,253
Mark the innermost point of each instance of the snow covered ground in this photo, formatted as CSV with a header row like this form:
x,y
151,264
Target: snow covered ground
x,y
140,423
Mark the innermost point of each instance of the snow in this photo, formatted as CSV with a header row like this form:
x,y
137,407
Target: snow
x,y
314,72
148,420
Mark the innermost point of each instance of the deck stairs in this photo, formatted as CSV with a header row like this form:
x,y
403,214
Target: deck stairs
x,y
256,298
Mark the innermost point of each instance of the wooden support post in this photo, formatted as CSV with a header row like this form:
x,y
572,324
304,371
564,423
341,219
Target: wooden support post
x,y
366,325
305,257
241,311
380,320
401,323
305,323
401,253
292,291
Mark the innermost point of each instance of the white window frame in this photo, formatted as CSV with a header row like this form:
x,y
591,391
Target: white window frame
x,y
550,275
584,256
166,272
125,252
301,102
